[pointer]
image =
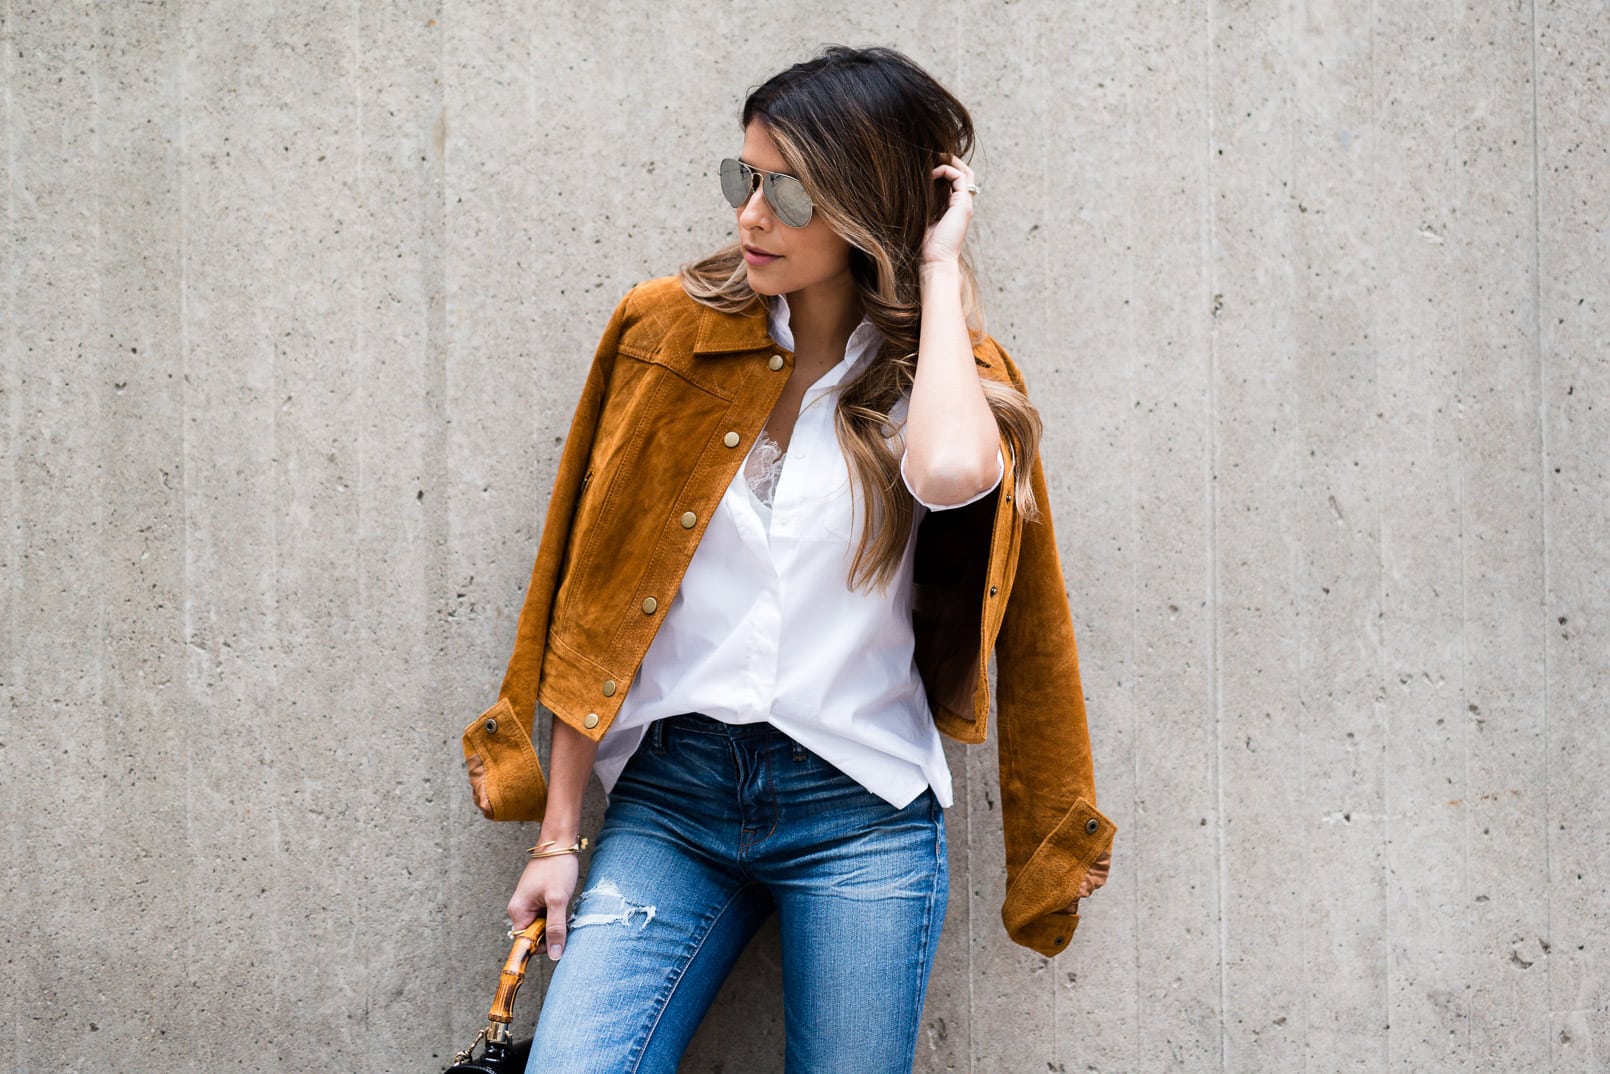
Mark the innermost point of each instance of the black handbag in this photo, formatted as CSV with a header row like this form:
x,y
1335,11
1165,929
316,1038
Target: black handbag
x,y
503,1054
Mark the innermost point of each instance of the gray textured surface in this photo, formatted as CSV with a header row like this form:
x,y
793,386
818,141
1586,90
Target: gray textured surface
x,y
1314,298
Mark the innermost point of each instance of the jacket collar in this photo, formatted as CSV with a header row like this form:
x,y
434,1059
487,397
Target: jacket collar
x,y
724,333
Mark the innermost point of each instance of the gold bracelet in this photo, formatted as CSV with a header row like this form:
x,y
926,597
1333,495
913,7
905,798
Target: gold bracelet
x,y
548,850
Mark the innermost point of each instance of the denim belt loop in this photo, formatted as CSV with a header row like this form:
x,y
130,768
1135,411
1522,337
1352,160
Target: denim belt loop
x,y
657,737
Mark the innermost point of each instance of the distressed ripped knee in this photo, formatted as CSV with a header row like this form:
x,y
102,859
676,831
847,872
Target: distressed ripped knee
x,y
603,904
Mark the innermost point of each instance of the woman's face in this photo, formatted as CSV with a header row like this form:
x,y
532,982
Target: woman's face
x,y
783,259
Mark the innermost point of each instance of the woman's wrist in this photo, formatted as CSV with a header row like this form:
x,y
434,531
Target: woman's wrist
x,y
941,270
557,838
552,848
559,833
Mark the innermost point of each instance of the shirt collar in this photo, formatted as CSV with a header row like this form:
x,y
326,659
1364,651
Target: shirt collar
x,y
863,343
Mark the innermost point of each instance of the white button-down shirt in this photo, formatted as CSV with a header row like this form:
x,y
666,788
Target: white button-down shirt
x,y
765,627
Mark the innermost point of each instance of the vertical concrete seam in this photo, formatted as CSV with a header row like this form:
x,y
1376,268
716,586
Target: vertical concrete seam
x,y
1295,562
1378,701
433,467
1134,542
1211,582
1045,262
8,338
13,395
1464,596
181,173
360,480
98,240
972,918
1543,493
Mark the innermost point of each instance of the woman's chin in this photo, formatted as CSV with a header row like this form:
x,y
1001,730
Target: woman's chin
x,y
761,286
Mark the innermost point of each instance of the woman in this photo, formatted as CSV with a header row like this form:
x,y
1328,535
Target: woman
x,y
799,507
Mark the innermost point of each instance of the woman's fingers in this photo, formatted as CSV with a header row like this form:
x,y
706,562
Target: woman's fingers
x,y
522,909
558,927
943,239
544,889
1097,875
954,170
1095,878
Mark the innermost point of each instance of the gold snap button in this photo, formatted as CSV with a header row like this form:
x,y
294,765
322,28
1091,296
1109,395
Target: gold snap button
x,y
689,520
590,720
731,439
776,362
609,687
491,727
649,604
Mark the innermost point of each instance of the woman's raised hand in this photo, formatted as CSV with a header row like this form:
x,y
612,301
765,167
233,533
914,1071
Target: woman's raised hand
x,y
943,240
545,888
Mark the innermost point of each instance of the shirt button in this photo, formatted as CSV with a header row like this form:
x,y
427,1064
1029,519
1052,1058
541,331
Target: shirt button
x,y
649,604
731,439
689,520
590,720
1091,826
609,687
491,727
776,362
993,590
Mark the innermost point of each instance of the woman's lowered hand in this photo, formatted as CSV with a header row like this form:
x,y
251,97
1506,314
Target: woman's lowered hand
x,y
1096,877
544,890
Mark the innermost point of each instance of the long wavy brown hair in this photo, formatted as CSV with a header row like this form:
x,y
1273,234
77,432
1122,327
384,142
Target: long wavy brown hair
x,y
862,129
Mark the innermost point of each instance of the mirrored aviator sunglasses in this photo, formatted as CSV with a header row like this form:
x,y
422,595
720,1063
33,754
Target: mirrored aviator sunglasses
x,y
785,194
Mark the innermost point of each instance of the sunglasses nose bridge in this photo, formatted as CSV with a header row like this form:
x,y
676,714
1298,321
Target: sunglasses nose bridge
x,y
755,200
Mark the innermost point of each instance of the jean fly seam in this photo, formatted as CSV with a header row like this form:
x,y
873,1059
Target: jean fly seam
x,y
663,1001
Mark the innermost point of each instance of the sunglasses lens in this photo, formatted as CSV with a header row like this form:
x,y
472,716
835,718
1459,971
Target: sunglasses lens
x,y
788,199
735,182
785,194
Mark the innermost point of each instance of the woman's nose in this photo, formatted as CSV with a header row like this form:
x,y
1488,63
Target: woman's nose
x,y
755,213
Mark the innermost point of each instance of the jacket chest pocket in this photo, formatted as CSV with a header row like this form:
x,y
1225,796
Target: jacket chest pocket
x,y
652,472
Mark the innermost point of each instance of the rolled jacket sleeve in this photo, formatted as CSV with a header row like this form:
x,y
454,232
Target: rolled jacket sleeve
x,y
1053,831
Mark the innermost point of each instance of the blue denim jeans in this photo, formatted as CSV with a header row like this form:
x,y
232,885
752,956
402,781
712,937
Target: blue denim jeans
x,y
710,828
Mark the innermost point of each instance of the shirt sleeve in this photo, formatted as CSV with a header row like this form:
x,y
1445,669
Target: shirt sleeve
x,y
1000,473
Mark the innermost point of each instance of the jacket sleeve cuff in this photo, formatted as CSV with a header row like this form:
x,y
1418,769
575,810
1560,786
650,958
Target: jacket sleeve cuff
x,y
506,777
1048,882
1000,473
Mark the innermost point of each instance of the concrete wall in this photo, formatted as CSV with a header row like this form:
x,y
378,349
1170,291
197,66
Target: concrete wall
x,y
297,298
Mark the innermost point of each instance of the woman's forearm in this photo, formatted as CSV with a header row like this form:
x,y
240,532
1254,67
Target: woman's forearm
x,y
570,764
951,435
547,883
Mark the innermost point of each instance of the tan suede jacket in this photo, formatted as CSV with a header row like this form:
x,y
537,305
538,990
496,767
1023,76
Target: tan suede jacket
x,y
676,394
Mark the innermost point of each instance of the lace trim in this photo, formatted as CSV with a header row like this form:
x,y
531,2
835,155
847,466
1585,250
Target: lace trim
x,y
764,467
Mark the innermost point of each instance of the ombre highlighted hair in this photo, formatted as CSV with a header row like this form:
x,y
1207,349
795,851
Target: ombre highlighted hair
x,y
862,129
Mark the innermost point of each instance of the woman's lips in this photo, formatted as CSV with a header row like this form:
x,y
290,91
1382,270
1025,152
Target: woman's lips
x,y
758,257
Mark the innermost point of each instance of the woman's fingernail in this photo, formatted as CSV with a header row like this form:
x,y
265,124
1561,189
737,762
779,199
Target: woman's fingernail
x,y
555,952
